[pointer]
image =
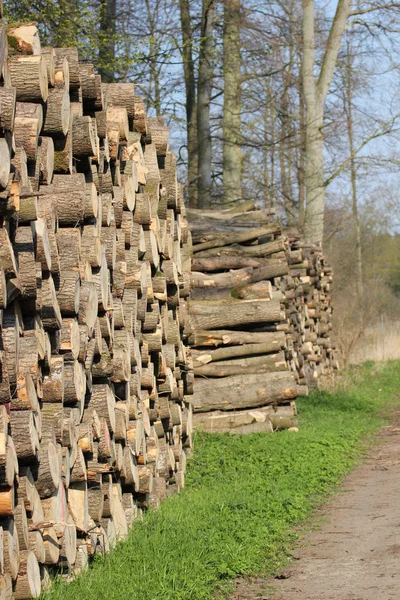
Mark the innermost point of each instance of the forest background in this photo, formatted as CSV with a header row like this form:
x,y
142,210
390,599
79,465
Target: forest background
x,y
293,104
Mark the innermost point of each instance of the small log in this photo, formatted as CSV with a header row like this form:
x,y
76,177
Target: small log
x,y
7,102
78,505
11,548
219,240
218,421
68,543
57,115
83,137
7,501
26,396
226,337
71,54
24,434
233,352
223,263
122,95
29,77
49,54
103,402
7,258
53,383
269,363
50,545
36,545
49,471
51,315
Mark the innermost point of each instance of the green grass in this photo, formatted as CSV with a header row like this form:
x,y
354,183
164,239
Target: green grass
x,y
243,498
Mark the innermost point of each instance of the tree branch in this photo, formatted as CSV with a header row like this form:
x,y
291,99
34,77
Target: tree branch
x,y
364,11
309,47
384,130
332,48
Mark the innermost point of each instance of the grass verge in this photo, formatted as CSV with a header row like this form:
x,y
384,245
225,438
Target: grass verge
x,y
244,496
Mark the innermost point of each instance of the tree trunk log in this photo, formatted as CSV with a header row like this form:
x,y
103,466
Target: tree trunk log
x,y
209,315
270,363
230,393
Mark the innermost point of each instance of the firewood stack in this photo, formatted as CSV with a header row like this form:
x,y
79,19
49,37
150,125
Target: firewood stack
x,y
260,312
312,351
237,312
94,275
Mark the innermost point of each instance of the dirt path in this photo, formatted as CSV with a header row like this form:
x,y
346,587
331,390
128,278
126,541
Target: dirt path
x,y
355,554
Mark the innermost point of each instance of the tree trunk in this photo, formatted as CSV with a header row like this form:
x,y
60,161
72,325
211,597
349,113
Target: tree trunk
x,y
203,106
353,177
314,176
315,92
190,87
301,167
266,151
108,14
155,90
232,176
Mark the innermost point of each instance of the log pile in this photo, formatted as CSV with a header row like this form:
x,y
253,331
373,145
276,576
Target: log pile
x,y
94,276
310,346
260,313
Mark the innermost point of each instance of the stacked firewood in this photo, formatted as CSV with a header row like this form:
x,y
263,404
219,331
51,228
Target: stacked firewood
x,y
311,349
94,275
237,312
258,299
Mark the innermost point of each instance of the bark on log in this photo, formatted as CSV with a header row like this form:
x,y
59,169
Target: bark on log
x,y
57,115
219,240
233,352
29,77
231,393
254,251
209,315
270,363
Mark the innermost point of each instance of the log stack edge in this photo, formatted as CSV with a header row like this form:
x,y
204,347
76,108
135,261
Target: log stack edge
x,y
95,254
260,310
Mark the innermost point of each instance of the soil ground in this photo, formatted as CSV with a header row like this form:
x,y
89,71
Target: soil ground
x,y
354,553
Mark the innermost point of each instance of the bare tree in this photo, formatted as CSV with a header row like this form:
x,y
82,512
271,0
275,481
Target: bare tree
x,y
348,99
107,39
204,87
232,155
315,92
190,99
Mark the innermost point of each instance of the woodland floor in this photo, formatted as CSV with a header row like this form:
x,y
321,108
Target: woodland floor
x,y
354,551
